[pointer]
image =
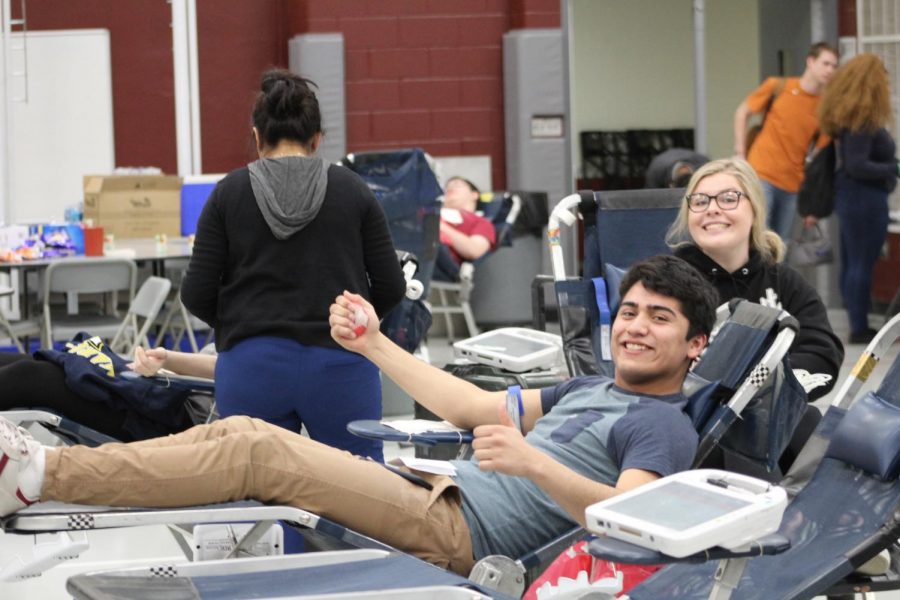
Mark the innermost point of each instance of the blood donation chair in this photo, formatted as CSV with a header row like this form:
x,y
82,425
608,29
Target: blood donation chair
x,y
346,575
504,573
748,346
405,185
843,516
452,297
619,228
623,227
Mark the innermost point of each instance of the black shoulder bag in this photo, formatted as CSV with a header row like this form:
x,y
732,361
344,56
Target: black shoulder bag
x,y
816,195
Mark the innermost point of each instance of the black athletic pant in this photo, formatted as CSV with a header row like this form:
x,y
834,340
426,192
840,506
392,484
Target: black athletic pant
x,y
29,383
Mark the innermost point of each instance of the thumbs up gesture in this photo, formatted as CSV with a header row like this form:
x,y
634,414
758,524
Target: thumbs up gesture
x,y
502,447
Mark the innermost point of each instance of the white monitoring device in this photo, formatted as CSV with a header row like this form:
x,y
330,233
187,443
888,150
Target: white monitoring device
x,y
688,512
512,348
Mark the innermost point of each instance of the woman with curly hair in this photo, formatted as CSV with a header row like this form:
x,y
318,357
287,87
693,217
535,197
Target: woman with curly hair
x,y
855,109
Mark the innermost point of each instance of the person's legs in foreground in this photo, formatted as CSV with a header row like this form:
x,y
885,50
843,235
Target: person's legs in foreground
x,y
863,215
239,458
781,207
289,384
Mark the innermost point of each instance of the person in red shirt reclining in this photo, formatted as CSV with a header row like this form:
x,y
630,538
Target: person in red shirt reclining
x,y
465,236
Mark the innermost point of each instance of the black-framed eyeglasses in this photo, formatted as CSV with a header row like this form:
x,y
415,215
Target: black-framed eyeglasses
x,y
727,200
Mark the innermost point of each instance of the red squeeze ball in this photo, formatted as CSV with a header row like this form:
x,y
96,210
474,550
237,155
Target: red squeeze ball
x,y
360,321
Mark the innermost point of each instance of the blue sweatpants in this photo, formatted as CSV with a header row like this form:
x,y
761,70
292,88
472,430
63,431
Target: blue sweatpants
x,y
862,211
289,384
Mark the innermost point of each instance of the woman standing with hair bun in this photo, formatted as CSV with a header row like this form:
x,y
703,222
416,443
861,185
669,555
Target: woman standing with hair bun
x,y
855,109
277,241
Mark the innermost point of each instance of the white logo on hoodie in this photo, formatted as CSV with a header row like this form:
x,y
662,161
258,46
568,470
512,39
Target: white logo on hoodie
x,y
770,299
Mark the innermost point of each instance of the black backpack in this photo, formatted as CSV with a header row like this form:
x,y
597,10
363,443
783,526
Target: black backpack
x,y
816,195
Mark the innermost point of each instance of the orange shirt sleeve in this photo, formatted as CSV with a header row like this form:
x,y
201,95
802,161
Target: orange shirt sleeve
x,y
759,97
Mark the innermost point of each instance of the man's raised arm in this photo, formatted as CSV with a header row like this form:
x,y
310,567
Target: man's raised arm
x,y
740,129
460,402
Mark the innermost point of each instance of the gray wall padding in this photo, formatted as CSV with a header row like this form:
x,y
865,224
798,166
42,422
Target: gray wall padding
x,y
533,85
502,292
320,57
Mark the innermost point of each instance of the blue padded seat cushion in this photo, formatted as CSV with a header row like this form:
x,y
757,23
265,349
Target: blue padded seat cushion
x,y
868,437
703,398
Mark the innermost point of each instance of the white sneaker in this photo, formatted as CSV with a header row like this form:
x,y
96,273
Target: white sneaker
x,y
17,452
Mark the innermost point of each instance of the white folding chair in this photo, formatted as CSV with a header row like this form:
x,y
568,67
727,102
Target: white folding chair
x,y
18,329
178,321
146,305
76,278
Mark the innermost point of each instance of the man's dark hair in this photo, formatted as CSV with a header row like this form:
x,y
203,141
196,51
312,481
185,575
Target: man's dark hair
x,y
472,186
671,276
819,47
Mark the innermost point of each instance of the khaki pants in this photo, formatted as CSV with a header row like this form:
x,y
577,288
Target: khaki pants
x,y
240,458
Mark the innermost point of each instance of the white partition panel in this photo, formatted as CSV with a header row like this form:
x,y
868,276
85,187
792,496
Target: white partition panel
x,y
65,129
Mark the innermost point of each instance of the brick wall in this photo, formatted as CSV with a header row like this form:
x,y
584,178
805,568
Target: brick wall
x,y
425,73
142,71
419,72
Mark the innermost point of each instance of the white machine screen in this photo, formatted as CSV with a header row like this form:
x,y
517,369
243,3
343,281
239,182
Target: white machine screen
x,y
678,506
510,345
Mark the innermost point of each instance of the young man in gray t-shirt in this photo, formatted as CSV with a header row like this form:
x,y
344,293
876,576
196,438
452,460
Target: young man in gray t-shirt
x,y
585,441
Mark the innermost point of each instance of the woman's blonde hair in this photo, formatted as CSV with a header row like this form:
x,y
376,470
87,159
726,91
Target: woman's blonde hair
x,y
857,98
762,239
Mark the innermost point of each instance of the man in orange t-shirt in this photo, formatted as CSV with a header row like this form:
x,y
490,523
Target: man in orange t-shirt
x,y
779,150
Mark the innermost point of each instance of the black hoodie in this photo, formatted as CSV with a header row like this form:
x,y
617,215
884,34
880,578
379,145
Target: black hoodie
x,y
272,266
815,349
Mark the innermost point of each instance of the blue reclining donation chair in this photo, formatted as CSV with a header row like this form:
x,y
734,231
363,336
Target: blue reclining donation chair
x,y
362,574
405,185
751,343
502,209
620,228
843,516
500,572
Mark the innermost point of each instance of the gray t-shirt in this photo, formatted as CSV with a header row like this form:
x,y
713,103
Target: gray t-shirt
x,y
593,428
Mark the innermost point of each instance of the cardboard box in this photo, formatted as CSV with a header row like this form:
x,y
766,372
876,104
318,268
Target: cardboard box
x,y
133,206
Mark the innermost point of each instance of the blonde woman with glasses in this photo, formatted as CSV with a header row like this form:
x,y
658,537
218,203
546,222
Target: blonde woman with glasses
x,y
721,231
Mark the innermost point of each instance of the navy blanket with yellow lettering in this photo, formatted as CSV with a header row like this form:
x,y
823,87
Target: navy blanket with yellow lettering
x,y
94,372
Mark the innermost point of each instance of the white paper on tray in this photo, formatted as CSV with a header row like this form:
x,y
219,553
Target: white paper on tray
x,y
427,465
412,426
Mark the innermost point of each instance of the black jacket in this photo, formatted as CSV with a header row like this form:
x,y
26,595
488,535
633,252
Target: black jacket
x,y
869,158
816,348
246,283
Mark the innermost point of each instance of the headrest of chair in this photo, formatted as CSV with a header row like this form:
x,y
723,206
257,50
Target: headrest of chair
x,y
868,437
613,276
493,206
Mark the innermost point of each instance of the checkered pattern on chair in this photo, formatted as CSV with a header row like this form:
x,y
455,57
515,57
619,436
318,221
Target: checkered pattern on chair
x,y
80,521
